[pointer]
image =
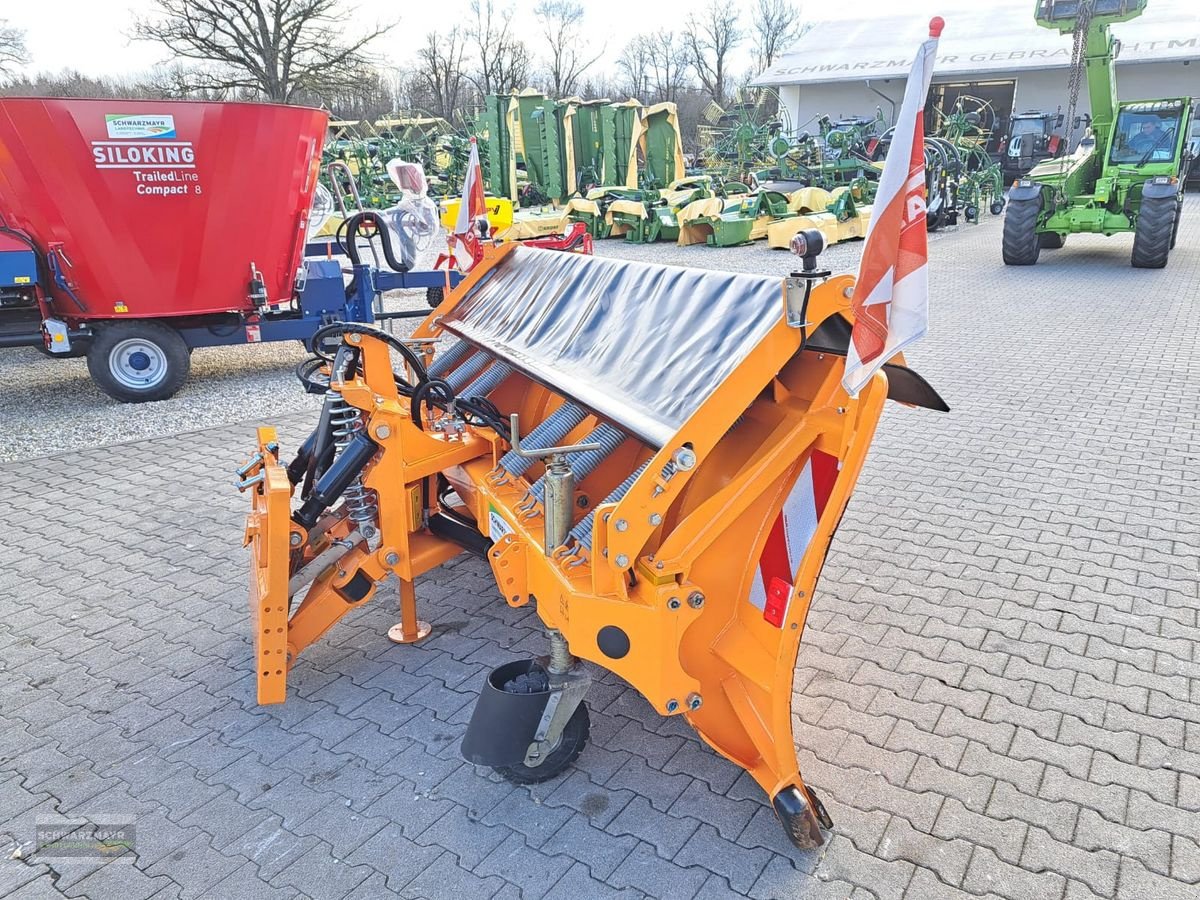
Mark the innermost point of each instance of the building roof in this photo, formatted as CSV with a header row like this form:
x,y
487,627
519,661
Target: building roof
x,y
995,37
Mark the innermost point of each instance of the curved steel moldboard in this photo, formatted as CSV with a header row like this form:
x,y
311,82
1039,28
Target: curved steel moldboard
x,y
643,345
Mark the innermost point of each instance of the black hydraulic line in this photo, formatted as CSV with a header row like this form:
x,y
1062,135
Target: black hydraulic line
x,y
432,391
299,465
308,372
329,487
418,366
350,246
402,314
451,529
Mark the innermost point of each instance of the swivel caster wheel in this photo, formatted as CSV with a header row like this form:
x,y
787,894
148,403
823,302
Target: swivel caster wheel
x,y
570,744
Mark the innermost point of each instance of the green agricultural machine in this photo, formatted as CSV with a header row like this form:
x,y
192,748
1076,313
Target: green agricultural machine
x,y
1126,175
978,179
544,151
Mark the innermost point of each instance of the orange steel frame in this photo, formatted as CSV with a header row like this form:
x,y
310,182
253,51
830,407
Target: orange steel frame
x,y
691,541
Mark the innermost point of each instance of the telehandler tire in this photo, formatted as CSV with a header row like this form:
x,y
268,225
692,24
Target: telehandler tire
x,y
1021,244
1051,240
1153,235
138,361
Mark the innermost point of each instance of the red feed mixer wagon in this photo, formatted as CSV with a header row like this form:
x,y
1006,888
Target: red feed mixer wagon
x,y
136,231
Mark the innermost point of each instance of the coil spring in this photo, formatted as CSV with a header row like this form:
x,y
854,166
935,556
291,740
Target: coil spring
x,y
549,433
447,358
361,504
582,532
488,381
467,372
608,437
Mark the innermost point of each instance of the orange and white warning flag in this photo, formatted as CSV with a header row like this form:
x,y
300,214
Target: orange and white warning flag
x,y
891,296
464,240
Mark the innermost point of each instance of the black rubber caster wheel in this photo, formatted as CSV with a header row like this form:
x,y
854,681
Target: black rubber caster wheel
x,y
574,738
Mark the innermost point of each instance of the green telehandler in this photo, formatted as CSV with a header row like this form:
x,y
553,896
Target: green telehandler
x,y
1127,173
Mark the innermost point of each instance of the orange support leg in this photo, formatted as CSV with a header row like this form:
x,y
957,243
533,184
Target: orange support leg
x,y
410,629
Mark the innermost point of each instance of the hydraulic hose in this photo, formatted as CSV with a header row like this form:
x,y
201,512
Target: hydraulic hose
x,y
350,245
418,365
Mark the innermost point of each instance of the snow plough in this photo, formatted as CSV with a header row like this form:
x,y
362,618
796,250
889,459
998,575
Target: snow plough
x,y
654,458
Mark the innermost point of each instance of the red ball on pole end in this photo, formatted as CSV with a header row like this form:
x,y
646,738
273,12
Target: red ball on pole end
x,y
936,24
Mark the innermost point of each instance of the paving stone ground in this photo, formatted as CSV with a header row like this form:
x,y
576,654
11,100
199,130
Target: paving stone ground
x,y
996,694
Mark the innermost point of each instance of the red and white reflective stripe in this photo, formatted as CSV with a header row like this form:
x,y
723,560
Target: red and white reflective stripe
x,y
790,537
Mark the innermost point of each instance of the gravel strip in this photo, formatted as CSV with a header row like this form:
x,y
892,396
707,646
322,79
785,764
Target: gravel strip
x,y
50,406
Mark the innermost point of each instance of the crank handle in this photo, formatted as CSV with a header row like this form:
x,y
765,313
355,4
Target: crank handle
x,y
515,439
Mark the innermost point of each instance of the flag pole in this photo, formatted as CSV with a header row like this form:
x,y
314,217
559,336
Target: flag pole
x,y
890,300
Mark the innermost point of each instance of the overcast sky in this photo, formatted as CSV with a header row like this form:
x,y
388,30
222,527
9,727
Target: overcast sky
x,y
92,35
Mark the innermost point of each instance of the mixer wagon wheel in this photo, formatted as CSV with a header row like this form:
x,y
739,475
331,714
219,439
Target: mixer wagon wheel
x,y
434,296
137,361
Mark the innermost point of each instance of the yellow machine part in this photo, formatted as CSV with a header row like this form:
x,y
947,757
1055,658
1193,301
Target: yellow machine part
x,y
534,223
781,232
678,564
499,212
809,200
694,227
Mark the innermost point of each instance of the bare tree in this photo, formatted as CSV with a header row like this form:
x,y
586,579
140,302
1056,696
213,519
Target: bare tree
x,y
274,48
598,87
562,26
502,59
71,83
668,65
12,49
634,63
709,41
655,65
776,25
368,98
441,71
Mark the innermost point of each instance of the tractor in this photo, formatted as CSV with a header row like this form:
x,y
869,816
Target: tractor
x,y
1127,173
1031,139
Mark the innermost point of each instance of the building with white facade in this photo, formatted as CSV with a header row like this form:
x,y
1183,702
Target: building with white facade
x,y
992,49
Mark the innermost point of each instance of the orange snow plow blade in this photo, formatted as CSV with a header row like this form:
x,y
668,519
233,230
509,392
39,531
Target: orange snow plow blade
x,y
657,458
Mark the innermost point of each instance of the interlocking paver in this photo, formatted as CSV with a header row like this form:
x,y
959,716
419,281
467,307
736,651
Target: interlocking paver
x,y
446,880
645,870
666,833
738,866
